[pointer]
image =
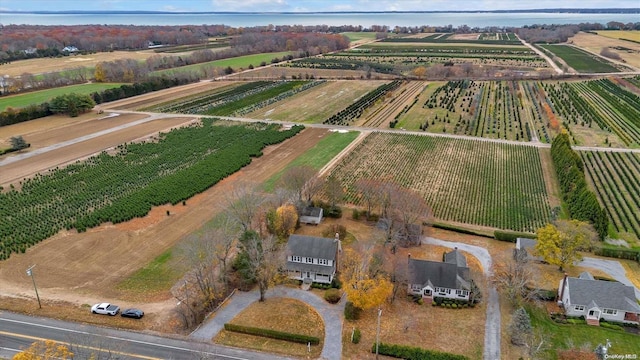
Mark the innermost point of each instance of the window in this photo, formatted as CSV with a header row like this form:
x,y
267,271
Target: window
x,y
416,287
610,312
296,259
462,293
323,261
309,260
579,308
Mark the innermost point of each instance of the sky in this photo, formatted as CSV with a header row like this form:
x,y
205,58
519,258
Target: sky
x,y
306,5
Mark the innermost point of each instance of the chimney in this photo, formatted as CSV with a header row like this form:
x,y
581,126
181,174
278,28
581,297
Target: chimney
x,y
564,284
408,257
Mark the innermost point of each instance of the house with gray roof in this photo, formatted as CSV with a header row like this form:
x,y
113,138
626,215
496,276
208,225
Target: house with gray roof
x,y
598,299
311,258
525,248
448,279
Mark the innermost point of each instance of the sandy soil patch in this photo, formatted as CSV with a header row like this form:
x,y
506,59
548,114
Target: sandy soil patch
x,y
85,268
595,43
464,36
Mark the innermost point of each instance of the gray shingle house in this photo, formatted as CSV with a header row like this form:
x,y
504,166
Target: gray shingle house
x,y
524,250
312,258
598,299
448,279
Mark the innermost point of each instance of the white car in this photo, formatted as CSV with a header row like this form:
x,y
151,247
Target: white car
x,y
105,309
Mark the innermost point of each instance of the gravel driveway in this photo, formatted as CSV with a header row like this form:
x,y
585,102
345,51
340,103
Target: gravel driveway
x,y
492,325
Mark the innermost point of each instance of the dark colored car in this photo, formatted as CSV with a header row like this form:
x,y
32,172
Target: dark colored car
x,y
132,313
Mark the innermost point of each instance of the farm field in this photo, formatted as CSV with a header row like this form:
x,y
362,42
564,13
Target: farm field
x,y
464,181
236,63
477,38
317,104
72,266
45,65
15,171
41,96
628,51
620,34
579,60
615,178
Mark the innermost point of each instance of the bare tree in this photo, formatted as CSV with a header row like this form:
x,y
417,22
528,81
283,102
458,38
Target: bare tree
x,y
333,190
295,180
515,279
198,255
244,204
265,257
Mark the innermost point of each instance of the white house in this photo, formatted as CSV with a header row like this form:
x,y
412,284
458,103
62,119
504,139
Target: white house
x,y
312,258
448,279
311,215
598,299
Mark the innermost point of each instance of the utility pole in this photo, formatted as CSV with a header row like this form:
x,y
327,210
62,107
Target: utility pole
x,y
30,273
378,332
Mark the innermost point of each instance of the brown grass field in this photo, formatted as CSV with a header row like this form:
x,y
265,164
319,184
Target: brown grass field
x,y
317,104
621,34
595,43
45,65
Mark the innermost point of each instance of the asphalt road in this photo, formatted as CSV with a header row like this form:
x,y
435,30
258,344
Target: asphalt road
x,y
19,331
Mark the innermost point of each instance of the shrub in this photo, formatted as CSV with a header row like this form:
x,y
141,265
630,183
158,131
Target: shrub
x,y
351,312
273,334
336,283
511,236
355,338
414,353
332,296
355,214
608,325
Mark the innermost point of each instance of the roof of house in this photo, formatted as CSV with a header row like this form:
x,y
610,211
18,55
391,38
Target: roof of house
x,y
455,257
313,247
311,211
439,274
605,294
524,243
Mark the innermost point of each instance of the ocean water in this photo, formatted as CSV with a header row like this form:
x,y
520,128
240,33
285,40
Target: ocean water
x,y
334,19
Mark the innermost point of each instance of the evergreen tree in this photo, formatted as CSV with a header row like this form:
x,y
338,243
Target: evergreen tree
x,y
520,327
18,143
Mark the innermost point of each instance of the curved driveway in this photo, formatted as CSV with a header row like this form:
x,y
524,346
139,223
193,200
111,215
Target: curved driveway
x,y
492,324
612,268
331,315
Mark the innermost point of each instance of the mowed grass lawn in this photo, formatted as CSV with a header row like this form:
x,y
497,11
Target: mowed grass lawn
x,y
579,60
280,314
235,63
39,97
318,156
355,36
565,336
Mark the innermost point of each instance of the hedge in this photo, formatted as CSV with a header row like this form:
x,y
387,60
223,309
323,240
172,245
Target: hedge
x,y
414,353
511,236
460,230
619,253
273,334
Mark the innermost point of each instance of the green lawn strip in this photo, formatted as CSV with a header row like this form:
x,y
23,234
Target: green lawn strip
x,y
39,97
159,275
355,36
560,335
580,60
318,156
235,63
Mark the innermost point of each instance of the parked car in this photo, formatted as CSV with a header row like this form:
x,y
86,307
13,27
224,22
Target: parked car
x,y
105,309
132,313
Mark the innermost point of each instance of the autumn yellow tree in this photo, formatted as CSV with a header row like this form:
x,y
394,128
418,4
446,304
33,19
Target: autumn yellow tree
x,y
45,350
99,73
560,246
285,221
420,71
363,290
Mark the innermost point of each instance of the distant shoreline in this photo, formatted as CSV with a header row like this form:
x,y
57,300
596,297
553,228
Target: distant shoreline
x,y
539,11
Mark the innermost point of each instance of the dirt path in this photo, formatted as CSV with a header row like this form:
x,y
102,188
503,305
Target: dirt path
x,y
542,55
85,268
